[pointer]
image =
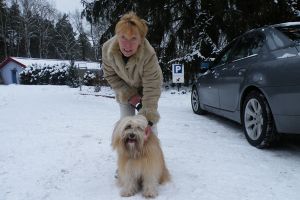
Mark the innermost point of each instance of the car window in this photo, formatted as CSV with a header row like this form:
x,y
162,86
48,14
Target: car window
x,y
248,45
276,40
224,55
292,32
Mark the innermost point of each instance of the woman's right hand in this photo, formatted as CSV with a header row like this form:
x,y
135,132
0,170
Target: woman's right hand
x,y
134,100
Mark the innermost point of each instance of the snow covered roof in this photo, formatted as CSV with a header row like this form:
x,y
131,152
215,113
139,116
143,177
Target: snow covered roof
x,y
29,61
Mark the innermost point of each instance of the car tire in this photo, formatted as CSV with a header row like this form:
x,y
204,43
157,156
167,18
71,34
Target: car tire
x,y
257,120
196,102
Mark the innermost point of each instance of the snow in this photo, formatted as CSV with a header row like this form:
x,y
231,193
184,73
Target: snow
x,y
55,145
42,62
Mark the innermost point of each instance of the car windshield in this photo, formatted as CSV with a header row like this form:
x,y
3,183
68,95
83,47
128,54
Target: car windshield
x,y
293,32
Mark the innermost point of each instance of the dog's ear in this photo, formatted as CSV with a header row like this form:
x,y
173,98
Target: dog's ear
x,y
115,134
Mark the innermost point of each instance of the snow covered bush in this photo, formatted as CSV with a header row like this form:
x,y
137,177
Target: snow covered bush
x,y
31,75
90,78
59,75
73,78
46,74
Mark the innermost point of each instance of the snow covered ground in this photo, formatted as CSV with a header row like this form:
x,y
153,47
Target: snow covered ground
x,y
55,145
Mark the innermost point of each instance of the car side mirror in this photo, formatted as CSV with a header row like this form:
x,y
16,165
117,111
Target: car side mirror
x,y
204,66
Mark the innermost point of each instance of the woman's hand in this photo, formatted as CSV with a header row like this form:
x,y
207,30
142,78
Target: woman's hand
x,y
135,101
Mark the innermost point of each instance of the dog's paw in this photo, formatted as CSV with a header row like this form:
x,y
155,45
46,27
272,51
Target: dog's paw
x,y
150,193
127,193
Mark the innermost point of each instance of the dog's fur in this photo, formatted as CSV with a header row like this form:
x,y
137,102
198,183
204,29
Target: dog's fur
x,y
140,162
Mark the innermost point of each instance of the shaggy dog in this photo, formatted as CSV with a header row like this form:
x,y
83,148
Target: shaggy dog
x,y
140,162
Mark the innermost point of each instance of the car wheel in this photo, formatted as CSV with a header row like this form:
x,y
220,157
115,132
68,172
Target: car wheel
x,y
258,121
196,102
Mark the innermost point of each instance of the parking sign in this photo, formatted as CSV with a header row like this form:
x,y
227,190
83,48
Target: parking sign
x,y
178,73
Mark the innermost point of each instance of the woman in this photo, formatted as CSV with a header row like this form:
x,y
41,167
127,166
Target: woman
x,y
131,67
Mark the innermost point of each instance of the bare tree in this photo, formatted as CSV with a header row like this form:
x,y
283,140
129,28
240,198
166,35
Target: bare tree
x,y
77,22
65,42
28,9
84,40
94,34
46,15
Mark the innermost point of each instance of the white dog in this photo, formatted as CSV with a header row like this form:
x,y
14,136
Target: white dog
x,y
140,162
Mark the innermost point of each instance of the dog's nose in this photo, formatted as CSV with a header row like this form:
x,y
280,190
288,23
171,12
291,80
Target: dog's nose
x,y
131,136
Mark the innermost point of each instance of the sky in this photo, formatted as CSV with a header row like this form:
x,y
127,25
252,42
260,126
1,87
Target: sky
x,y
67,6
55,145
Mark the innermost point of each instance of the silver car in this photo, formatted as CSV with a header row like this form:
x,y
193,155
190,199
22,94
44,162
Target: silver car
x,y
255,81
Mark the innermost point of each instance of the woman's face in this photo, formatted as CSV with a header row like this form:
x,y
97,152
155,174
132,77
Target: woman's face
x,y
129,42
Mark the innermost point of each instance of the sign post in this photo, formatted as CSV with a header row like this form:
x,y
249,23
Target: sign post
x,y
82,68
178,74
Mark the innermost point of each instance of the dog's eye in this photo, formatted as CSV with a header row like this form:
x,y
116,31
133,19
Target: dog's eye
x,y
128,127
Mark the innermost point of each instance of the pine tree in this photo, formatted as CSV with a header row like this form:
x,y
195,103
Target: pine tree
x,y
194,29
3,27
15,30
85,52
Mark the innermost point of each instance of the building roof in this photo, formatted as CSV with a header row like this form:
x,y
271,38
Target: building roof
x,y
24,62
10,59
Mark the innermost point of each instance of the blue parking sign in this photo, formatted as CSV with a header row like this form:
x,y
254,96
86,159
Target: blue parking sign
x,y
177,68
178,73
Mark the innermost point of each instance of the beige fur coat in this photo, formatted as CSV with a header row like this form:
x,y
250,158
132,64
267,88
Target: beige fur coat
x,y
141,75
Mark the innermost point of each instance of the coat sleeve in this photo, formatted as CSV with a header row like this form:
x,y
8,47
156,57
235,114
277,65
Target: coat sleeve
x,y
152,83
122,90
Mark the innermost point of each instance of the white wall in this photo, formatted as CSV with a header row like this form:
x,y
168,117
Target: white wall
x,y
7,74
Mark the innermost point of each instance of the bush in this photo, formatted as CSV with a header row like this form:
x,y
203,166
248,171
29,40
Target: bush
x,y
73,78
46,74
89,78
59,75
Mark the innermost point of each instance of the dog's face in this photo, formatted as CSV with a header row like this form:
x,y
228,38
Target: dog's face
x,y
128,135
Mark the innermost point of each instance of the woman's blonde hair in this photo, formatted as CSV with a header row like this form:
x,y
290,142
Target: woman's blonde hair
x,y
128,22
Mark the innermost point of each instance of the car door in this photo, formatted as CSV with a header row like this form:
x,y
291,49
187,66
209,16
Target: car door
x,y
232,75
209,82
